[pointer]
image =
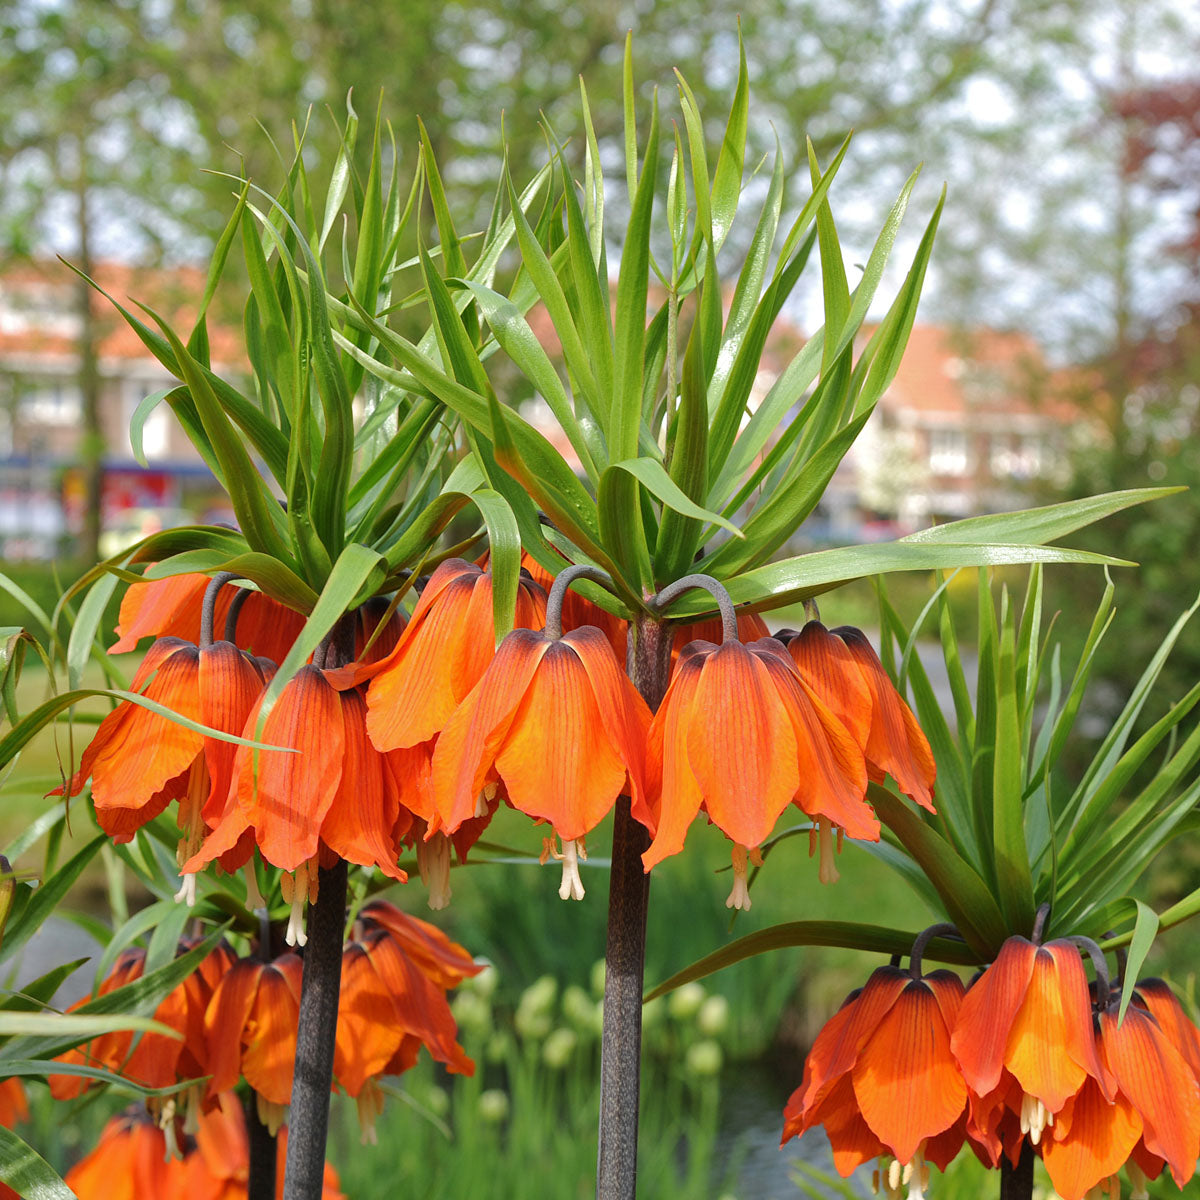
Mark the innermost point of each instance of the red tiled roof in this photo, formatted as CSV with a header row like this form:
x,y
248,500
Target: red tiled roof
x,y
43,287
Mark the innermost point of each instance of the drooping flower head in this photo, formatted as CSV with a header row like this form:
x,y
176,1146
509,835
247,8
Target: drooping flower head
x,y
1153,1118
395,973
139,760
444,649
881,1078
330,792
740,735
1025,1043
154,1060
554,724
841,666
250,1027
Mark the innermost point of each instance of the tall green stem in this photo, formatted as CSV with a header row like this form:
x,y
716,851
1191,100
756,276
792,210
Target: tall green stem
x,y
649,667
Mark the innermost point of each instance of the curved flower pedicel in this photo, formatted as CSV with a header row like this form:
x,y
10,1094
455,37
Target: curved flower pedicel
x,y
881,1079
174,607
741,736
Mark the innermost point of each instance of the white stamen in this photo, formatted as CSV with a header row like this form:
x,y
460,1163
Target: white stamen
x,y
1034,1118
571,887
894,1170
187,891
1137,1181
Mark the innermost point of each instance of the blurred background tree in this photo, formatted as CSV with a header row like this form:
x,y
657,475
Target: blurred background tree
x,y
121,122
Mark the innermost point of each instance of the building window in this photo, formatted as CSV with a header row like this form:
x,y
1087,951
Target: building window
x,y
52,402
1017,458
947,451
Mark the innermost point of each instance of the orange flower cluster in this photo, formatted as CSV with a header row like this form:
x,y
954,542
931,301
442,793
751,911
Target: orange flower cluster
x,y
420,740
155,1060
550,723
912,1067
135,1160
238,1019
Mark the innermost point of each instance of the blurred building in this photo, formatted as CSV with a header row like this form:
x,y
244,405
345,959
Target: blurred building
x,y
974,422
41,404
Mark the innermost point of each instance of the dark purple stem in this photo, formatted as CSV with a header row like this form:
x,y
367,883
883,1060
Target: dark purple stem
x,y
649,667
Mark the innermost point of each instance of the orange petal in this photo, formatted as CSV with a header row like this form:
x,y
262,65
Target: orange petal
x,y
827,666
896,745
1051,1048
831,767
740,745
292,793
468,745
556,759
360,822
905,1079
1178,1027
988,1011
624,713
136,752
851,1139
421,1008
445,962
367,1036
1098,1139
221,1139
226,1019
229,683
1159,1084
678,796
837,1046
269,1038
441,654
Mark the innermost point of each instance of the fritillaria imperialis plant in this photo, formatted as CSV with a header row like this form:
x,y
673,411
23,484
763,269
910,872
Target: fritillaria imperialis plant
x,y
1036,878
316,734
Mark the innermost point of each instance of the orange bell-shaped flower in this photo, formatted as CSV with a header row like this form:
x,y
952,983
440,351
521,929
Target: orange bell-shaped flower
x,y
333,791
139,760
1024,1039
841,666
131,1161
444,649
740,736
250,1027
556,724
881,1078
